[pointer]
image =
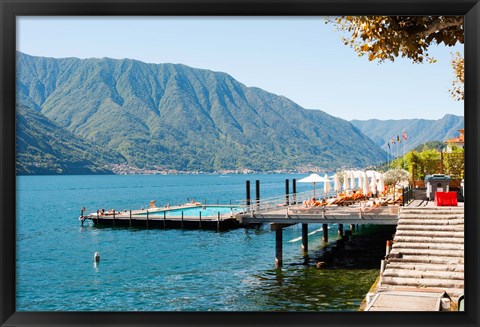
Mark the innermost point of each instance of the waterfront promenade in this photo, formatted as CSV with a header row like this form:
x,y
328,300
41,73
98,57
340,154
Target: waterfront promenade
x,y
422,271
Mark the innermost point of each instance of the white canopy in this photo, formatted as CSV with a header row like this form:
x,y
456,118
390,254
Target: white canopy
x,y
352,180
313,178
381,184
336,183
365,184
373,185
327,187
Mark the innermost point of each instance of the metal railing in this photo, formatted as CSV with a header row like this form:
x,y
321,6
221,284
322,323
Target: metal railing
x,y
277,202
407,195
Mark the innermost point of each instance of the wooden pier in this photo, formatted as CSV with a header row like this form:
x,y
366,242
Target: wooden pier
x,y
254,214
159,218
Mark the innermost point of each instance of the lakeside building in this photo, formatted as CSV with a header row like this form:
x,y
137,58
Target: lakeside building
x,y
456,141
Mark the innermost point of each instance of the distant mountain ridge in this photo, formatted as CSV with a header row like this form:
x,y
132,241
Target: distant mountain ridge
x,y
175,116
418,131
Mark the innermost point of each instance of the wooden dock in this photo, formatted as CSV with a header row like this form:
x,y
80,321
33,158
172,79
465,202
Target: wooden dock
x,y
294,214
159,218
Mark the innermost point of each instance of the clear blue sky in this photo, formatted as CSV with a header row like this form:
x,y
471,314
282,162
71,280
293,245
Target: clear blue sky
x,y
301,58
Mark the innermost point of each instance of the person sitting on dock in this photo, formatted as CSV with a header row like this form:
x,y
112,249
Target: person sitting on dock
x,y
309,202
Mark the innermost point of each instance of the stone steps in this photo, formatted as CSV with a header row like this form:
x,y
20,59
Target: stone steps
x,y
430,221
451,261
427,251
425,267
422,282
429,240
454,293
433,246
433,211
437,253
407,273
432,227
430,234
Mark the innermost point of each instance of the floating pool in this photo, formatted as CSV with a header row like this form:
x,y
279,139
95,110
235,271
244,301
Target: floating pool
x,y
206,211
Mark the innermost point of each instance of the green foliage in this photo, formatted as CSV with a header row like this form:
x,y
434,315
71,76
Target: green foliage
x,y
388,37
436,145
44,148
429,162
454,163
178,117
394,177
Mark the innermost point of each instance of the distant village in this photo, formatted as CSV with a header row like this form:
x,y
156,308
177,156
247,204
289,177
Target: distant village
x,y
124,169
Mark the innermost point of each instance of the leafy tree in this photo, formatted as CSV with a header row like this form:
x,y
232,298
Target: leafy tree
x,y
457,91
454,163
437,145
396,177
388,37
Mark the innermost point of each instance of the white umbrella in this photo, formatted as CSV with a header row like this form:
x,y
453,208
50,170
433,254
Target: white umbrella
x,y
373,185
365,184
352,180
313,178
327,187
336,183
345,181
360,180
381,184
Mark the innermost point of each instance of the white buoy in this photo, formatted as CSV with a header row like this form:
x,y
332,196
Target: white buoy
x,y
96,257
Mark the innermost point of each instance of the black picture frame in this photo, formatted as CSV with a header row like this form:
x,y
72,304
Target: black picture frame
x,y
12,8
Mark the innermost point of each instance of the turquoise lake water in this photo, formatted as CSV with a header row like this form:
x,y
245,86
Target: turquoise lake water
x,y
169,270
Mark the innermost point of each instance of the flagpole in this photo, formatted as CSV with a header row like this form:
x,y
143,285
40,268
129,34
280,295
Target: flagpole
x,y
404,141
397,147
388,154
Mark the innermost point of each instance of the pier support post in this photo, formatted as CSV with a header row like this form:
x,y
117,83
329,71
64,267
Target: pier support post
x,y
287,191
247,189
348,235
257,193
388,247
352,227
278,246
130,218
182,219
113,217
340,230
294,190
97,215
304,238
325,232
164,220
218,222
147,217
200,220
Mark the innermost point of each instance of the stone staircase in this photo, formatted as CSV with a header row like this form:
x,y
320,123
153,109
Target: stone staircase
x,y
427,251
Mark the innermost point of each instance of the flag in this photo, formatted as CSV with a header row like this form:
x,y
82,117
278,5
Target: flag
x,y
392,140
388,143
398,139
405,135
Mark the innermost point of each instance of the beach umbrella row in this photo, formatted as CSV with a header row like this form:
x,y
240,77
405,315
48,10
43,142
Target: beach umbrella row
x,y
348,181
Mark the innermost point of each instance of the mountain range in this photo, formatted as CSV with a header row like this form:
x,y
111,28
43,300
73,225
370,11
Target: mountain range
x,y
93,113
418,131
